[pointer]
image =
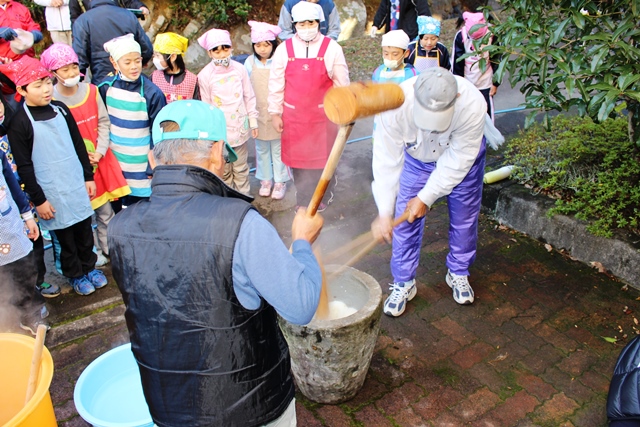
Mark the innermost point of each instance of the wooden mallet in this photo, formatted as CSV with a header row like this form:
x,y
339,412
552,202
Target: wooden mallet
x,y
343,106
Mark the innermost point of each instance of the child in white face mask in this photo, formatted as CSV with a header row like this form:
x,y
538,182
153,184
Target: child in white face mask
x,y
171,76
394,51
225,83
92,118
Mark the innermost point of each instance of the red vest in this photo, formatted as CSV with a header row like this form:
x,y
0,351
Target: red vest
x,y
308,135
178,92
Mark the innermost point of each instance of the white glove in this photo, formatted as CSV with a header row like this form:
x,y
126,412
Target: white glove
x,y
373,32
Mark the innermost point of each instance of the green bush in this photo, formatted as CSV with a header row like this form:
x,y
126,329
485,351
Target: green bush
x,y
210,11
593,170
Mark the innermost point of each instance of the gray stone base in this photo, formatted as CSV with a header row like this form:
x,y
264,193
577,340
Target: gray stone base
x,y
516,207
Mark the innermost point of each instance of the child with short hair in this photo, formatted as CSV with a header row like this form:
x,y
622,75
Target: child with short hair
x,y
427,52
93,122
269,163
469,68
225,83
394,51
47,290
54,166
171,76
133,102
17,261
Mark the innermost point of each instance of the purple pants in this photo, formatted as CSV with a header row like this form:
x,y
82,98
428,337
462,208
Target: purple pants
x,y
464,208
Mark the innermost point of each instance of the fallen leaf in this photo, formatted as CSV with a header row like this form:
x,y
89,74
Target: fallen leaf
x,y
598,266
609,339
635,320
625,288
514,240
499,358
548,247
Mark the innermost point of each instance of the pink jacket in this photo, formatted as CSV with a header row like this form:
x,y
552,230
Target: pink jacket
x,y
333,60
229,89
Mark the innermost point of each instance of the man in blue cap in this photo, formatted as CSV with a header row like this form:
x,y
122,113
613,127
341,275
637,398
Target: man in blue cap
x,y
202,275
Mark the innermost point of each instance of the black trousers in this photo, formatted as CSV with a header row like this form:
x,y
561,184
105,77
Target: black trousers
x,y
485,93
117,205
306,181
38,253
21,276
76,249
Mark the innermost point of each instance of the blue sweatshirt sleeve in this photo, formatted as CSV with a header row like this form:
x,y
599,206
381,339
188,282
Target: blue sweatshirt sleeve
x,y
14,187
264,268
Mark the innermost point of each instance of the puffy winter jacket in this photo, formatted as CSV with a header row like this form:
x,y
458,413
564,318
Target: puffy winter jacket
x,y
75,9
409,12
623,402
102,23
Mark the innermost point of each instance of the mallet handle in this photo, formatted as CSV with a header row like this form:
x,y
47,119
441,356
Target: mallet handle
x,y
36,361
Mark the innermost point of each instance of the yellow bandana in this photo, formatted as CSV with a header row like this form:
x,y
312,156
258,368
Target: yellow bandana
x,y
170,43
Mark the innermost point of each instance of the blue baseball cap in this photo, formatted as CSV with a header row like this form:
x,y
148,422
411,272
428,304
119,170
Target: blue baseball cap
x,y
197,120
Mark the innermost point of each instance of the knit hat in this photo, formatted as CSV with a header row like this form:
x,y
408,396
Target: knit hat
x,y
396,38
214,38
307,11
471,19
170,43
24,71
57,56
120,46
197,120
262,32
436,91
429,25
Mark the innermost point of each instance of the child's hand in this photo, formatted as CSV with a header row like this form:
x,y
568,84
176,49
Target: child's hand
x,y
91,188
46,210
254,133
34,231
94,158
276,121
493,90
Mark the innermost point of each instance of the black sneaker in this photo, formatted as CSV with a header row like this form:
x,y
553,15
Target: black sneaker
x,y
30,322
48,290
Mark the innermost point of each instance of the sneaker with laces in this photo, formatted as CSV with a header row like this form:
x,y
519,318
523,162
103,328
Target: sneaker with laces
x,y
462,292
97,279
48,290
265,188
82,285
401,293
279,189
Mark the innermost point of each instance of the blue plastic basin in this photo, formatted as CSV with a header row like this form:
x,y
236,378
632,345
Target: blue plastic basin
x,y
109,391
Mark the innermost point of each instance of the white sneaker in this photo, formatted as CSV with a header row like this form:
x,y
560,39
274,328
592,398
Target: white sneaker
x,y
279,190
265,188
462,292
102,260
401,293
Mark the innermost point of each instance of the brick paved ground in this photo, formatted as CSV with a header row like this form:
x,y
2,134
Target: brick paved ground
x,y
529,352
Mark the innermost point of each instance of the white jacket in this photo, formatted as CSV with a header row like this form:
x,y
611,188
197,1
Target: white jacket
x,y
58,18
454,151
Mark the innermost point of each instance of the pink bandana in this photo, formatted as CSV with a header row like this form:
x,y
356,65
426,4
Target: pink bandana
x,y
471,19
214,38
24,71
263,32
57,56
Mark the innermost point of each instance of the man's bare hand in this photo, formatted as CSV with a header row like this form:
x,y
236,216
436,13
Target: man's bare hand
x,y
382,228
416,208
306,228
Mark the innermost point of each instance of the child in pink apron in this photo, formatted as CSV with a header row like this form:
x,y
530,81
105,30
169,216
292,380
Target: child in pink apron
x,y
304,68
427,52
469,68
268,145
224,83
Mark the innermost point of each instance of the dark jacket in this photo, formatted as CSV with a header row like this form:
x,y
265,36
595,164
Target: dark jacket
x,y
102,23
154,97
623,402
409,12
326,5
76,6
204,359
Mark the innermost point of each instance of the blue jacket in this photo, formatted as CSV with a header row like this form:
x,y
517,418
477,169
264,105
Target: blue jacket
x,y
103,22
623,402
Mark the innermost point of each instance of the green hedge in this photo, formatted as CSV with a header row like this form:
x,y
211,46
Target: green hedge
x,y
593,170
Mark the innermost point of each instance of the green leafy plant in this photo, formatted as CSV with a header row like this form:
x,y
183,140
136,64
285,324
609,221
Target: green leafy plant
x,y
211,11
591,169
582,54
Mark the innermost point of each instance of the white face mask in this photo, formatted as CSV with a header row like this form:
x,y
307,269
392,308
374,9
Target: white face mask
x,y
72,82
222,62
307,34
392,63
157,62
124,78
